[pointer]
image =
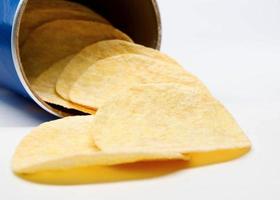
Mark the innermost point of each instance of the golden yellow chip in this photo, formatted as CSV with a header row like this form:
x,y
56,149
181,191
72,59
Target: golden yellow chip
x,y
44,86
170,117
33,18
100,50
67,143
58,39
108,77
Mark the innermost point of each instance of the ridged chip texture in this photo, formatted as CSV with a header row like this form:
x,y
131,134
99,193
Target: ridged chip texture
x,y
108,77
58,39
169,117
100,50
67,143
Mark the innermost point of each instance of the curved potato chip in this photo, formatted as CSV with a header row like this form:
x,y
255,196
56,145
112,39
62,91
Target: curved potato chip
x,y
100,50
44,86
67,143
34,18
58,39
108,77
171,117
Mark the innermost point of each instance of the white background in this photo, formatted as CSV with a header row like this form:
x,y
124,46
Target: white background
x,y
234,47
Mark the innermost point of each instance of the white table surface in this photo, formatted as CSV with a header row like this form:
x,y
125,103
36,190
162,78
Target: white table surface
x,y
234,47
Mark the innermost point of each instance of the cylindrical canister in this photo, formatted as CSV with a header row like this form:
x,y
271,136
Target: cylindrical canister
x,y
140,19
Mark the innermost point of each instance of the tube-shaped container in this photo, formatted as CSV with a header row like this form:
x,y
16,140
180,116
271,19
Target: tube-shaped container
x,y
140,19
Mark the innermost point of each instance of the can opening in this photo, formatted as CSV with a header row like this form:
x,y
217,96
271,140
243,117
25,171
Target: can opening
x,y
138,19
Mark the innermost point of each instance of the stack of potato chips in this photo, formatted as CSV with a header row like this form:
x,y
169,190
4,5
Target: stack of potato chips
x,y
144,105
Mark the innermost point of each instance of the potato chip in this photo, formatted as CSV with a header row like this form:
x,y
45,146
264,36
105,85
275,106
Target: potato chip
x,y
58,39
32,19
44,86
170,117
67,143
100,50
108,77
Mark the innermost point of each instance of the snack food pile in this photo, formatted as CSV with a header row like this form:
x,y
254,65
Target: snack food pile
x,y
143,105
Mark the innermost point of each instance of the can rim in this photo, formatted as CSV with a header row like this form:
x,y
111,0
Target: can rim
x,y
18,67
159,24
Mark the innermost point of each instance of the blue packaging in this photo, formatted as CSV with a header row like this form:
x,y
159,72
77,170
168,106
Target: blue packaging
x,y
139,19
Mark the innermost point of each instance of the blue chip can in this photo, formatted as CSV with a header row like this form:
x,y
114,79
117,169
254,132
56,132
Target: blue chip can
x,y
140,19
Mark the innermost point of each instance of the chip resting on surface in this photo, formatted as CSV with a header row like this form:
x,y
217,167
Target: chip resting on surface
x,y
44,86
97,51
148,108
33,18
67,143
58,39
170,117
108,77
